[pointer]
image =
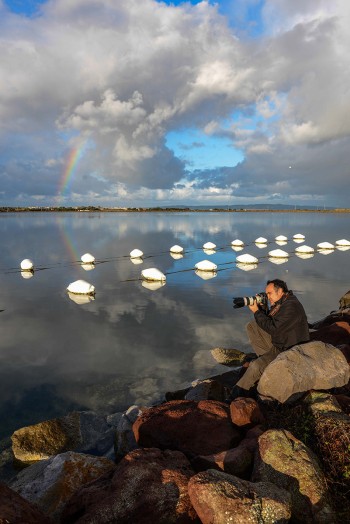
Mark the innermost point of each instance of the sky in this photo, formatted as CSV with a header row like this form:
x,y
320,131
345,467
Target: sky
x,y
154,103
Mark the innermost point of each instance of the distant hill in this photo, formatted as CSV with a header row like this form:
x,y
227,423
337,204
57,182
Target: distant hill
x,y
253,207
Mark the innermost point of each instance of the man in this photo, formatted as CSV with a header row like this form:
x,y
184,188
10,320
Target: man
x,y
281,327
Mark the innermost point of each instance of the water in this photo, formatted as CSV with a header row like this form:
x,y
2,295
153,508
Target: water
x,y
131,344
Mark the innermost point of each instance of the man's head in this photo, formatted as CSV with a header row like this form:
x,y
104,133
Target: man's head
x,y
275,289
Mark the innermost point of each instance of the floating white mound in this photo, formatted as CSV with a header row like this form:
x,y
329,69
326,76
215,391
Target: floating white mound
x,y
281,238
247,259
304,249
81,287
246,267
209,245
136,253
206,265
153,274
27,265
176,249
325,245
278,253
299,236
237,242
342,242
261,240
88,258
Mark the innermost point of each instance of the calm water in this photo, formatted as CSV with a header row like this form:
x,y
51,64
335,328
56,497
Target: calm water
x,y
131,344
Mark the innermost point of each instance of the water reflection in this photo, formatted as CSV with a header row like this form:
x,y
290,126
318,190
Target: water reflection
x,y
138,340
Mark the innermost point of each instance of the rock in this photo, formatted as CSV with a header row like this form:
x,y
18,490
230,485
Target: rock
x,y
287,462
250,441
245,412
147,486
228,357
345,349
337,333
344,403
84,432
202,428
221,498
236,461
314,365
336,316
50,483
124,436
14,509
206,390
344,302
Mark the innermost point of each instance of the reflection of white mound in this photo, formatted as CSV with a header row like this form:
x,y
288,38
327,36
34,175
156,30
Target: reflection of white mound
x,y
343,248
237,242
237,248
88,267
304,256
281,242
136,260
27,274
261,245
246,267
298,240
205,275
247,259
176,256
152,286
209,245
325,251
209,251
281,238
81,299
153,274
280,260
206,265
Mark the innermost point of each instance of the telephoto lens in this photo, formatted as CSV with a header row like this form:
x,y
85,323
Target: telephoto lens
x,y
238,302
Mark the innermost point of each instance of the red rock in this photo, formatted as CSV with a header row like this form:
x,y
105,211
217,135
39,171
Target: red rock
x,y
148,486
245,412
14,509
335,334
236,461
195,428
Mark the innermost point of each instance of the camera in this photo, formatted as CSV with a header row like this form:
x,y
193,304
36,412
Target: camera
x,y
260,298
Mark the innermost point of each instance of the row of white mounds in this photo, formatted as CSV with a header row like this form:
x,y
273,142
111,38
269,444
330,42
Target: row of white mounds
x,y
81,287
27,265
153,274
206,265
209,245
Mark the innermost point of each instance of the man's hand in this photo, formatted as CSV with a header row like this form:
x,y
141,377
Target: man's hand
x,y
254,307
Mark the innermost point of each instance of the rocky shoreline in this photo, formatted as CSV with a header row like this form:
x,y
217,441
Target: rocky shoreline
x,y
196,458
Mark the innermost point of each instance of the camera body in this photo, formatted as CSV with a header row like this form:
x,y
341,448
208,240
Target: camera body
x,y
259,298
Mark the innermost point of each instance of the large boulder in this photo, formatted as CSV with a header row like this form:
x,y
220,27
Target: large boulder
x,y
85,432
195,428
314,365
14,509
50,483
287,462
147,486
221,498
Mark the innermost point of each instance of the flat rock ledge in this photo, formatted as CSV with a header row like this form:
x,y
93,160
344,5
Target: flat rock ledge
x,y
195,458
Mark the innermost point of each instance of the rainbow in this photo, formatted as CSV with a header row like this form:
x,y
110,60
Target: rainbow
x,y
74,156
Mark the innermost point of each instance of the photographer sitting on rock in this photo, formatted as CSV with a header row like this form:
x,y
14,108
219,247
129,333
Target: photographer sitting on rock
x,y
274,330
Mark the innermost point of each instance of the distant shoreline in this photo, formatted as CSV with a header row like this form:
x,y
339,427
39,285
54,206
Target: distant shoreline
x,y
93,209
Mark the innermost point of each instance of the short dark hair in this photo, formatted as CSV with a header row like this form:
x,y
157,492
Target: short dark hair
x,y
278,284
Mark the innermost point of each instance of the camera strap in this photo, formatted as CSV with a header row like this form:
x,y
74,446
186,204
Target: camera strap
x,y
277,306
